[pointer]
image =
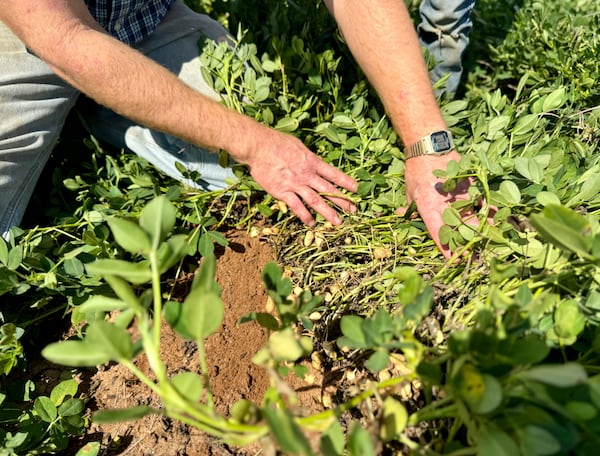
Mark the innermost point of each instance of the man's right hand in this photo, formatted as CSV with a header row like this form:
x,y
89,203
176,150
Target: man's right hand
x,y
290,172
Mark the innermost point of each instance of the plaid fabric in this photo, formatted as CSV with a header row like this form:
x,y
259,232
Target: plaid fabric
x,y
129,20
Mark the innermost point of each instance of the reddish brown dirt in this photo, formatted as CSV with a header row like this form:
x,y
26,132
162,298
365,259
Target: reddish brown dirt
x,y
232,374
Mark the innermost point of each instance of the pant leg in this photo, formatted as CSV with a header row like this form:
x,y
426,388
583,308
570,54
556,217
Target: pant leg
x,y
174,45
34,104
444,30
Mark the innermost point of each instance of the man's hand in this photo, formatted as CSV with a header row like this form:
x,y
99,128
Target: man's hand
x,y
290,172
425,190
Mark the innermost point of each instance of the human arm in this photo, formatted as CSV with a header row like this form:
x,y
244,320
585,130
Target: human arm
x,y
382,38
66,37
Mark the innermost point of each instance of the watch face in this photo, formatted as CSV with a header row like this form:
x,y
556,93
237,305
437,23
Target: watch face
x,y
441,141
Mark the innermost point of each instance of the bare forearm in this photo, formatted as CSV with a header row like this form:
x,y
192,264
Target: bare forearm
x,y
382,38
136,87
123,79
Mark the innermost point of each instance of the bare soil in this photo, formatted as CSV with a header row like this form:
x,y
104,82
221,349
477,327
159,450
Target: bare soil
x,y
233,376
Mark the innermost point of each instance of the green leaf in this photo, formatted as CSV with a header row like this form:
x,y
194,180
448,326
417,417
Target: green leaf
x,y
202,312
589,190
287,124
536,440
158,219
566,216
594,385
205,275
285,346
264,319
269,66
560,375
351,326
525,124
286,431
451,217
243,411
481,392
353,143
454,107
206,247
359,442
3,252
89,449
189,385
217,237
546,198
491,398
569,321
342,121
74,267
71,407
378,328
45,409
394,419
332,440
378,360
75,353
530,169
124,318
274,280
119,415
19,438
419,307
554,100
115,341
171,251
531,349
174,317
262,93
62,390
491,441
129,235
136,273
15,257
510,192
100,303
563,228
124,291
581,411
430,372
497,125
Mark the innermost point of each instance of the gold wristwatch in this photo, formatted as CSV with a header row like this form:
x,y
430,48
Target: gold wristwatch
x,y
437,143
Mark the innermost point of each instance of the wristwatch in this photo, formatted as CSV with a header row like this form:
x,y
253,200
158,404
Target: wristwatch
x,y
437,143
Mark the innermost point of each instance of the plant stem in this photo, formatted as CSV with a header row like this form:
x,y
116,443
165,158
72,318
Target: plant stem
x,y
204,368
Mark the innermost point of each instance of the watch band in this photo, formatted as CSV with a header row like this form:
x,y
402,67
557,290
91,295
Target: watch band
x,y
436,143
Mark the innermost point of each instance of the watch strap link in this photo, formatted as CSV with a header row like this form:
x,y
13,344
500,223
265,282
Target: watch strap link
x,y
427,146
419,148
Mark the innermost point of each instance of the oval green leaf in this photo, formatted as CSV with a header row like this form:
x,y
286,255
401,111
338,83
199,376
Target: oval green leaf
x,y
119,415
75,353
202,312
71,407
129,235
62,390
136,273
113,340
158,219
45,409
286,431
560,375
189,385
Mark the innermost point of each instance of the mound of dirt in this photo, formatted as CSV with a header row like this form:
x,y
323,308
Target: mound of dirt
x,y
233,376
